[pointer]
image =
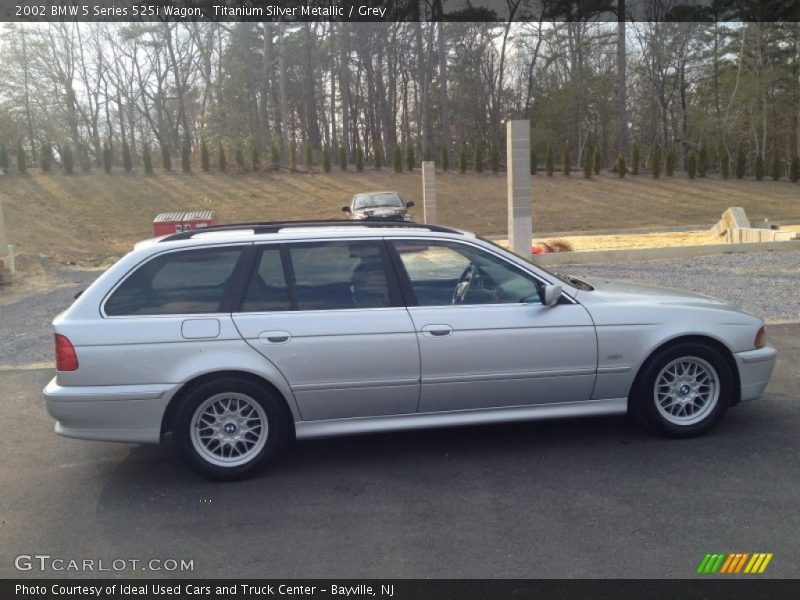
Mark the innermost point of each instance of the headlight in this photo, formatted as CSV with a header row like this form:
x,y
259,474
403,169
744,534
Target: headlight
x,y
761,338
406,217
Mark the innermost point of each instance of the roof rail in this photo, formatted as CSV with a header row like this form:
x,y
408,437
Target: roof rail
x,y
276,226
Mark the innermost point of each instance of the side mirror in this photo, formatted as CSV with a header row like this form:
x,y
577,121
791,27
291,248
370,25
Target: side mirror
x,y
346,209
409,204
550,294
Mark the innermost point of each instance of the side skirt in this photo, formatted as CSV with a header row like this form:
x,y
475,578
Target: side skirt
x,y
485,416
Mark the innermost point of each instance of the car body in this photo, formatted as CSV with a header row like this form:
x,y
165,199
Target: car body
x,y
239,338
387,206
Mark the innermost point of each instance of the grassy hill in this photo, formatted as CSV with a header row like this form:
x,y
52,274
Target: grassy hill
x,y
92,217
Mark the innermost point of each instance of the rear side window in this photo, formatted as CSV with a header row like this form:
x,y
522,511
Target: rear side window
x,y
267,290
185,282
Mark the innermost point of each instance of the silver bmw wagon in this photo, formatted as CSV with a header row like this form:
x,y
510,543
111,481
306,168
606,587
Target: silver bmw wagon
x,y
240,338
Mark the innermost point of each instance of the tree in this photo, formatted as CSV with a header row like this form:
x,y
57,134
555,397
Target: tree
x,y
342,158
222,162
309,156
238,156
598,160
741,164
635,159
794,169
360,159
66,159
378,156
186,154
4,158
724,165
702,161
759,167
106,157
534,160
22,163
411,160
462,158
255,156
127,163
691,165
426,154
275,153
587,164
550,162
776,166
83,158
205,160
293,155
147,159
622,170
326,159
397,159
46,157
669,164
566,161
478,158
443,158
494,159
655,162
166,157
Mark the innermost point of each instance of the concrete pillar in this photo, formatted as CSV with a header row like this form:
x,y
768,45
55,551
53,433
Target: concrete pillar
x,y
3,242
518,158
429,192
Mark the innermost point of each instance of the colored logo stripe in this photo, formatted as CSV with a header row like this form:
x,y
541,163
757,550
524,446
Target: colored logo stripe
x,y
734,563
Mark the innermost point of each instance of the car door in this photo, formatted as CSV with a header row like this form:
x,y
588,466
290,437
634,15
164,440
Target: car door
x,y
330,317
485,338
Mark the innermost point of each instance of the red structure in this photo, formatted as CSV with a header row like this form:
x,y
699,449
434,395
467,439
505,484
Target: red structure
x,y
172,222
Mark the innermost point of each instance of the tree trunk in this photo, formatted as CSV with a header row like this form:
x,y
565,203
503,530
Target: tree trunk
x,y
622,101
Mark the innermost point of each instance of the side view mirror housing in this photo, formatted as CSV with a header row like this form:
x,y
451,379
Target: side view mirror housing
x,y
409,204
346,209
550,294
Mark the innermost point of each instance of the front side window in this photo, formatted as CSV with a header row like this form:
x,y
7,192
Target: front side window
x,y
443,273
184,282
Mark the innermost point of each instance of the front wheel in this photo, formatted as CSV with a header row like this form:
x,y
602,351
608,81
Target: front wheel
x,y
228,429
684,390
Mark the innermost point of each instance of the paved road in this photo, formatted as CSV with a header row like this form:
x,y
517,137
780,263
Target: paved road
x,y
582,498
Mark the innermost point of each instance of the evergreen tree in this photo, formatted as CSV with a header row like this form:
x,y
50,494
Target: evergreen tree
x,y
378,156
426,154
478,158
4,158
443,158
255,156
534,160
22,161
127,162
411,160
326,160
670,162
760,167
702,161
238,156
147,159
724,165
655,159
550,162
83,158
635,159
566,161
587,164
360,159
67,161
598,160
293,155
794,169
622,170
309,156
222,162
205,160
397,159
691,165
166,156
186,154
342,158
275,153
46,157
494,159
776,166
106,157
462,158
741,164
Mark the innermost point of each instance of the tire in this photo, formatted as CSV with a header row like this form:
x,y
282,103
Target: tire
x,y
228,429
683,390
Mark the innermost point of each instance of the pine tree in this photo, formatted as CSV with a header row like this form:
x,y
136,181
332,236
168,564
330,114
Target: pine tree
x,y
794,169
166,157
635,159
378,156
550,162
147,159
443,158
255,156
127,162
691,165
46,157
360,159
534,160
222,162
426,154
238,156
309,156
462,158
724,165
622,170
655,159
293,155
205,160
478,158
83,158
326,160
760,167
587,164
598,160
776,166
397,159
702,161
411,160
4,158
494,159
670,162
566,161
342,158
275,153
67,161
186,154
106,157
22,161
741,164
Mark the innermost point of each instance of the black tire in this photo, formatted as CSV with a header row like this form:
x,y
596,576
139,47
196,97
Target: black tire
x,y
644,405
272,407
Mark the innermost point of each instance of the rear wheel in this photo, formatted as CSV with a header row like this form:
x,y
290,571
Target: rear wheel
x,y
229,428
684,390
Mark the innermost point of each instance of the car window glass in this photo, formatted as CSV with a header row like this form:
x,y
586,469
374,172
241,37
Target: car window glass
x,y
331,275
444,273
185,282
267,289
375,200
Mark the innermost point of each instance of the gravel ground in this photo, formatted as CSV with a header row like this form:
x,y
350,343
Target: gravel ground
x,y
763,283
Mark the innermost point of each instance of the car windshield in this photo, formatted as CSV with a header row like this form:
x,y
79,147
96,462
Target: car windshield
x,y
362,201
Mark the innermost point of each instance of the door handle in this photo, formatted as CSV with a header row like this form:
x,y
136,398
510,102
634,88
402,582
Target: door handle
x,y
274,337
437,330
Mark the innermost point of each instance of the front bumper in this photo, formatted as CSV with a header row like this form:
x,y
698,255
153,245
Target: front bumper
x,y
755,369
120,413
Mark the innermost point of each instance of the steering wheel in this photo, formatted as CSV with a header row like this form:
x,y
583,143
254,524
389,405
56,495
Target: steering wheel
x,y
468,276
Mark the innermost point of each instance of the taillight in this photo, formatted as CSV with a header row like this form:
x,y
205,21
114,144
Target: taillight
x,y
66,359
761,338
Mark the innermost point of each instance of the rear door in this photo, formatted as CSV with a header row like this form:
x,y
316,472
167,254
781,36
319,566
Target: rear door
x,y
330,317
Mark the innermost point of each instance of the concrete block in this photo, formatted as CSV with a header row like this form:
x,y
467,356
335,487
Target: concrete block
x,y
429,192
518,176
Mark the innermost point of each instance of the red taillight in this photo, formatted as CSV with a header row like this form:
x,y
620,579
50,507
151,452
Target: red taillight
x,y
66,359
761,338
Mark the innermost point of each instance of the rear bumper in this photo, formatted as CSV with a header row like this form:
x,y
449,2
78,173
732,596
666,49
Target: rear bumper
x,y
755,369
120,413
